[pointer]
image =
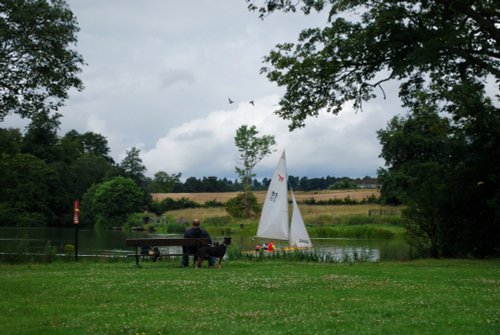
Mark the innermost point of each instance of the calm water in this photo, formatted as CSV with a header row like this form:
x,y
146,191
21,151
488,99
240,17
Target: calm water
x,y
94,242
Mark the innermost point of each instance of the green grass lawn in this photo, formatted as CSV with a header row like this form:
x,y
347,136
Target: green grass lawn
x,y
266,297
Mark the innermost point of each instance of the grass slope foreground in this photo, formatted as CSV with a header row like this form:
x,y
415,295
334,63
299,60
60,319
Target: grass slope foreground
x,y
267,297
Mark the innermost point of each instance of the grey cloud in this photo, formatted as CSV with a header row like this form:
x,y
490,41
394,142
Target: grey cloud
x,y
156,67
172,77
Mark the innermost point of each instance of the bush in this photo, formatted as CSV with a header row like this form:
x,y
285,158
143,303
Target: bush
x,y
111,203
169,204
346,201
358,231
175,228
236,207
218,221
20,217
324,220
213,203
359,220
136,219
344,185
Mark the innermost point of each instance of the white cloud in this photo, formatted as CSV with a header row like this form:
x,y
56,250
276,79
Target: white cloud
x,y
343,145
159,74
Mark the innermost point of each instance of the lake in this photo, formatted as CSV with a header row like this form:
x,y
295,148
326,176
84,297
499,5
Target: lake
x,y
110,242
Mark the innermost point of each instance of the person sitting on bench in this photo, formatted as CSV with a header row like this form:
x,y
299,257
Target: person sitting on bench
x,y
195,232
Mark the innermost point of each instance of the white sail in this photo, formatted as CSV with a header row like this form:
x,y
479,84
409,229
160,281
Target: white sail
x,y
273,222
299,238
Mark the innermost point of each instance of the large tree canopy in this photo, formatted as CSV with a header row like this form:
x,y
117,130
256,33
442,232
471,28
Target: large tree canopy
x,y
37,64
433,45
447,177
441,159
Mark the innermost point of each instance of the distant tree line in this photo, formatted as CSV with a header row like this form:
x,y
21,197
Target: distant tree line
x,y
42,173
214,184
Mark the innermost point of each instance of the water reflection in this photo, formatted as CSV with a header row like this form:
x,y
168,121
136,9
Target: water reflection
x,y
113,243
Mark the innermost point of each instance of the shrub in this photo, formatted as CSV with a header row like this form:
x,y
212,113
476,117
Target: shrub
x,y
20,217
236,207
169,204
213,203
175,228
112,202
359,220
218,221
324,220
358,231
135,219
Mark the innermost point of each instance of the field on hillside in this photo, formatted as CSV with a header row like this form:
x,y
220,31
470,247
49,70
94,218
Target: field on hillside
x,y
309,212
300,196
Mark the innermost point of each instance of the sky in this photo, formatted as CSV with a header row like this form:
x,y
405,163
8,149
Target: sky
x,y
158,76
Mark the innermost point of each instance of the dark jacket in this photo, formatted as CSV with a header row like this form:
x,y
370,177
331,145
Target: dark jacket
x,y
196,232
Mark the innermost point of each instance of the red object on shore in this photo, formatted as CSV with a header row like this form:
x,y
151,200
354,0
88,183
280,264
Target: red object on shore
x,y
76,211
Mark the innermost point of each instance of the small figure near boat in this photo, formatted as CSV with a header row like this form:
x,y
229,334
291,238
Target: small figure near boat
x,y
269,247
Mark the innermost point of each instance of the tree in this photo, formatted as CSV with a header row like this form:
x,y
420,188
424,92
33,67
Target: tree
x,y
41,138
447,176
433,45
163,182
95,144
192,184
112,202
242,206
417,150
343,184
74,144
86,170
10,141
37,64
132,166
24,193
471,210
252,149
442,53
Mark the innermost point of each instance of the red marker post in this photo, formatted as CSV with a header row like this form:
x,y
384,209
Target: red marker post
x,y
76,213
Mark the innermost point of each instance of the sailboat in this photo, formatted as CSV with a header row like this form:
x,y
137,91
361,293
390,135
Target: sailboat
x,y
273,222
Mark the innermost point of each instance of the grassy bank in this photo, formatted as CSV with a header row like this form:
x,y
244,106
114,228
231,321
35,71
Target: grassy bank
x,y
350,221
270,297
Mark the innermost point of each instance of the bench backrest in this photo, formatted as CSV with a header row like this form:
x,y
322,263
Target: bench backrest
x,y
135,242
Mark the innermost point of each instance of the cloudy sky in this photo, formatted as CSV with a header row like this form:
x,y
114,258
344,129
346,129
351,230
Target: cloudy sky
x,y
159,75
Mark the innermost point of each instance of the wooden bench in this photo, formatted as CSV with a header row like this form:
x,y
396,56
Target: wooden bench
x,y
189,245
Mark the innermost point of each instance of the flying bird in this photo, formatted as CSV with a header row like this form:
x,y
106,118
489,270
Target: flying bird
x,y
252,103
230,101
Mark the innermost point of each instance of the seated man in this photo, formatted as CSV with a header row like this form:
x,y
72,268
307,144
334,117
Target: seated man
x,y
196,232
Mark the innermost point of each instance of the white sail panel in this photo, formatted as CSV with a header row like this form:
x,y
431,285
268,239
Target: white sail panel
x,y
299,238
273,222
